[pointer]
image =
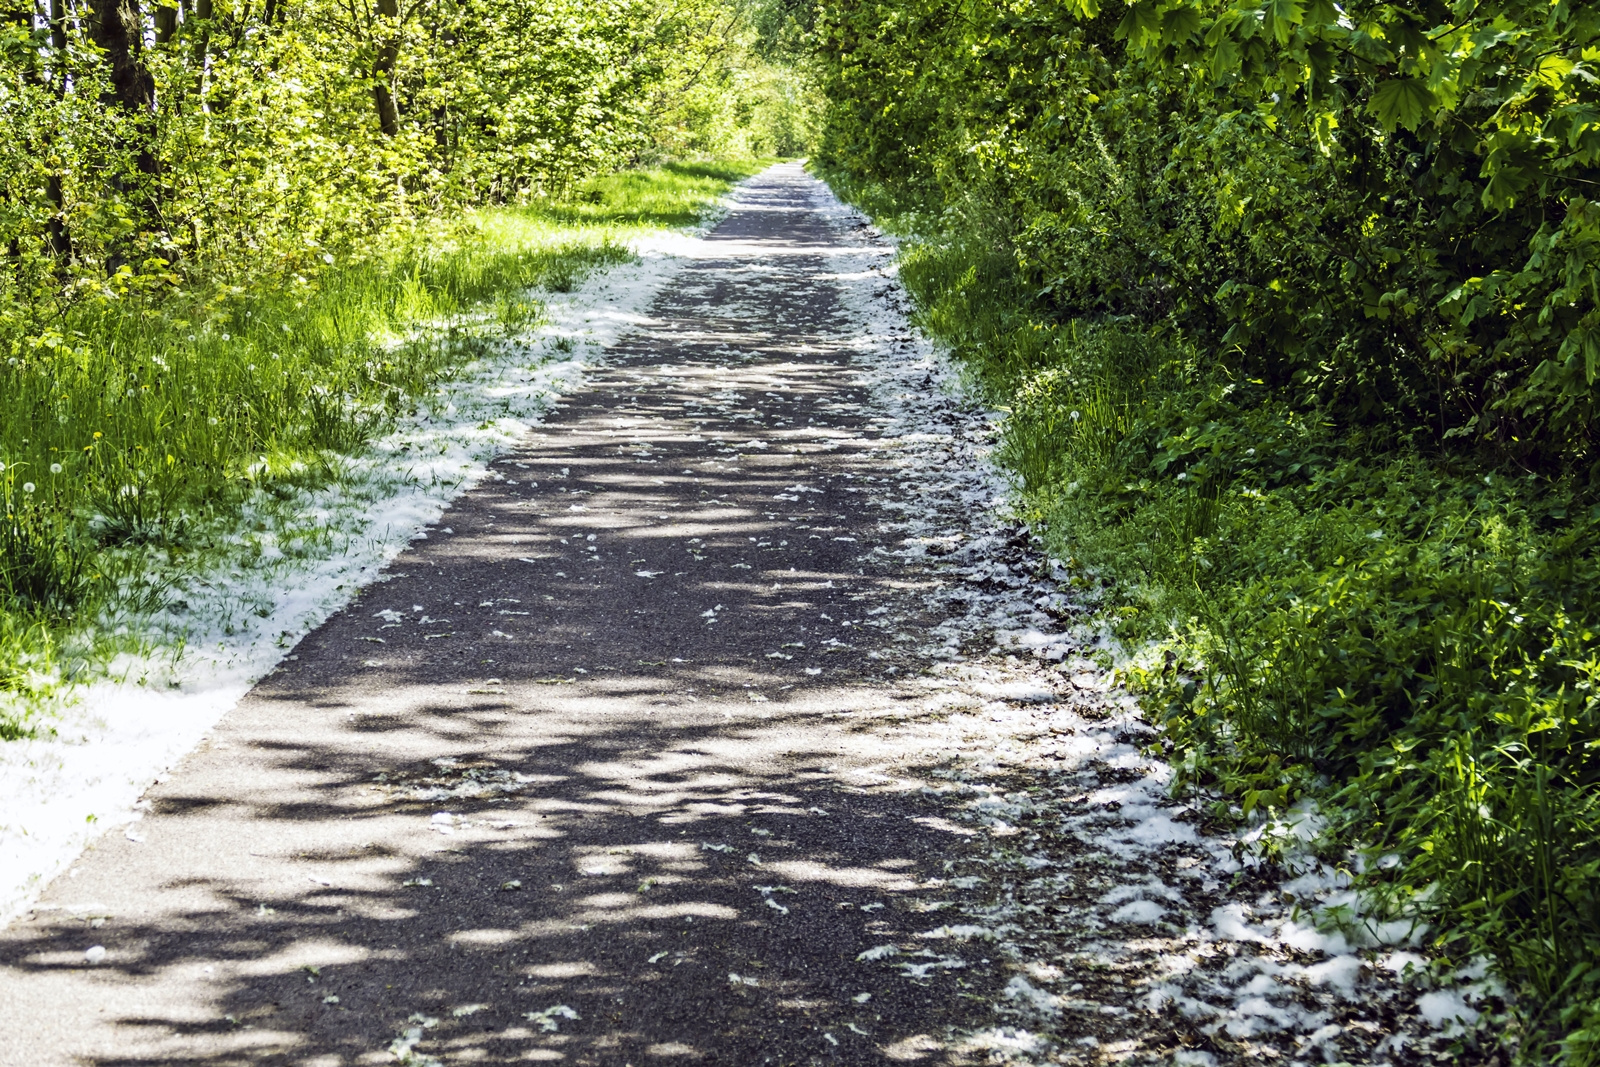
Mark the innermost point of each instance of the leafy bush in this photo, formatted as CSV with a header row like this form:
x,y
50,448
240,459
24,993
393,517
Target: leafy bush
x,y
1382,210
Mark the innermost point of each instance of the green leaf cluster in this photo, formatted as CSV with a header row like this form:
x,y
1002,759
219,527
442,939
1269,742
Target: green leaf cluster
x,y
1383,208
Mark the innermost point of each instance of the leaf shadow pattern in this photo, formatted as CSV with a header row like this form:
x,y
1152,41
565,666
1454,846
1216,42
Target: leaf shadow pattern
x,y
627,894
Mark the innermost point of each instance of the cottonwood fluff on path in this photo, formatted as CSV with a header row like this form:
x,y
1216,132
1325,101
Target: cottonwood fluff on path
x,y
726,719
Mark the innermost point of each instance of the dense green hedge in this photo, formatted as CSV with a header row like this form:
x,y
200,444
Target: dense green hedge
x,y
1295,307
1382,211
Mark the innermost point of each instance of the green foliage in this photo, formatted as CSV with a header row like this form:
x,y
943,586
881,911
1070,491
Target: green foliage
x,y
1382,208
42,565
1293,307
1406,641
762,110
260,138
28,672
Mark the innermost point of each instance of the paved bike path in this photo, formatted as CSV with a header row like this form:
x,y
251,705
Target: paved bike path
x,y
573,783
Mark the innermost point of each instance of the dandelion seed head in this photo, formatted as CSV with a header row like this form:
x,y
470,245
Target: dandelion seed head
x,y
55,468
28,487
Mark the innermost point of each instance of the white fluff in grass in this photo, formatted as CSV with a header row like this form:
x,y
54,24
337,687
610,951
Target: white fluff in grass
x,y
1447,1009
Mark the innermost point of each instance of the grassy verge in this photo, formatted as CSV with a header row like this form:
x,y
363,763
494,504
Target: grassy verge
x,y
156,405
1317,614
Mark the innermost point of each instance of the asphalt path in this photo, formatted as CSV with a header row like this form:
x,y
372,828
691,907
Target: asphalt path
x,y
573,782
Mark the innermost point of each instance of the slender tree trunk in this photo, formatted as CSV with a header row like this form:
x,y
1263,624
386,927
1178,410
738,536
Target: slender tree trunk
x,y
57,236
21,16
58,34
166,23
383,67
203,10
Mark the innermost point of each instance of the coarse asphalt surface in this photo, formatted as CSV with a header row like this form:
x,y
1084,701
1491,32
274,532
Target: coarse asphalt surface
x,y
571,783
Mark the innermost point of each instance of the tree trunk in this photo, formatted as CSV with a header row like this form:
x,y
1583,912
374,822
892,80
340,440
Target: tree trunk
x,y
57,236
58,30
203,10
383,67
114,25
166,23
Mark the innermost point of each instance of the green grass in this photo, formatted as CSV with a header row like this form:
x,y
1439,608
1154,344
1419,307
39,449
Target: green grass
x,y
1413,643
674,194
160,403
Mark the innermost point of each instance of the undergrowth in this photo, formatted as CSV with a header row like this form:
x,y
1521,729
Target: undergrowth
x,y
155,403
1409,641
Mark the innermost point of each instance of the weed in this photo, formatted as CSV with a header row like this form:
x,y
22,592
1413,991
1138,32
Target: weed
x,y
43,567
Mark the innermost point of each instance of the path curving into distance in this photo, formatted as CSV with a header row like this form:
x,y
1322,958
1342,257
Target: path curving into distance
x,y
727,722
580,754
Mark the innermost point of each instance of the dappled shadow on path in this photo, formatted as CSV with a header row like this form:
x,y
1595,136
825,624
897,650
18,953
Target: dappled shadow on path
x,y
595,775
700,900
